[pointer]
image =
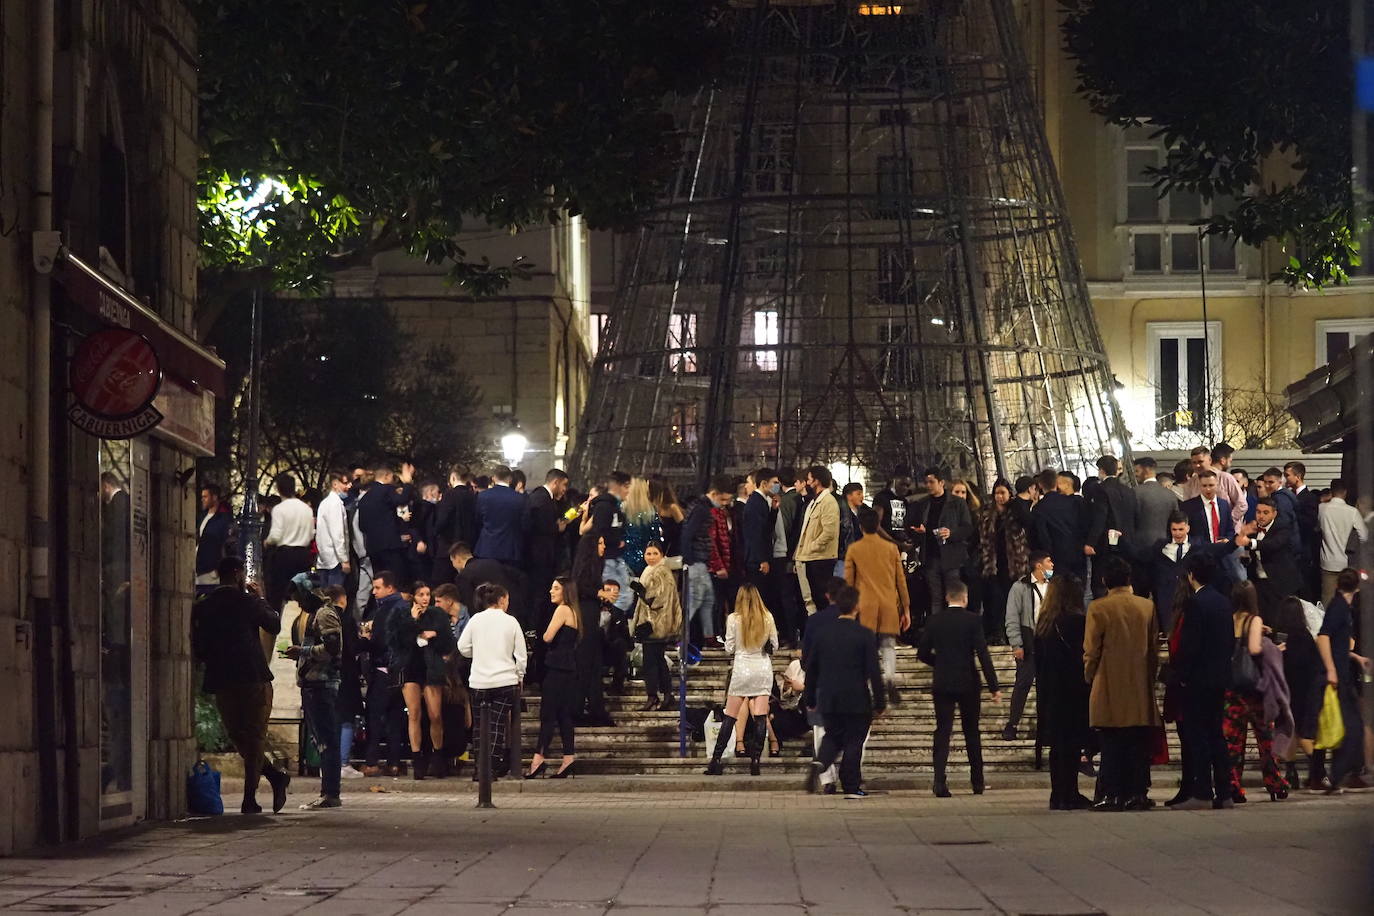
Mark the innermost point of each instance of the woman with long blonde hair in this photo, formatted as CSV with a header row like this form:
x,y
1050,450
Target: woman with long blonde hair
x,y
642,524
751,636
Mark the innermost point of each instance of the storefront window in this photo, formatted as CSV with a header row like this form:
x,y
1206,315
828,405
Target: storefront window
x,y
116,630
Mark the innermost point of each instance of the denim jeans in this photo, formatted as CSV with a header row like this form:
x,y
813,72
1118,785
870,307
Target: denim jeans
x,y
319,703
345,742
330,577
619,571
701,598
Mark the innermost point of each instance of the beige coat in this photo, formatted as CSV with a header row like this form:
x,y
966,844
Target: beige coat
x,y
1120,658
873,565
660,590
820,533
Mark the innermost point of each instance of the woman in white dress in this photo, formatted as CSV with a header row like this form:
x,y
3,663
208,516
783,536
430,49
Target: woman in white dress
x,y
751,636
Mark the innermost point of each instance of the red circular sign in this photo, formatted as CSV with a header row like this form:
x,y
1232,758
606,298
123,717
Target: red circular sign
x,y
115,373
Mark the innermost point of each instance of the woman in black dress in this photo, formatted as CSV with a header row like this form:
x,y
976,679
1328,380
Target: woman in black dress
x,y
1062,693
419,641
560,694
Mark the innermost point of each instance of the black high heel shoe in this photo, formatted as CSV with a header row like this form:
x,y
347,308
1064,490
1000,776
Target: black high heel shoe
x,y
1278,794
566,772
537,771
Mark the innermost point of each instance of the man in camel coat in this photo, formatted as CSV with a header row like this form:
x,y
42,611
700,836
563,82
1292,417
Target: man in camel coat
x,y
873,565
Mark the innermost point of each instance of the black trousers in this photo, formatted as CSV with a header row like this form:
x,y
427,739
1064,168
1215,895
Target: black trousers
x,y
1125,770
784,593
969,705
384,718
1348,758
844,738
1064,771
657,681
558,700
283,565
937,580
394,562
1209,767
995,592
1025,677
818,573
591,694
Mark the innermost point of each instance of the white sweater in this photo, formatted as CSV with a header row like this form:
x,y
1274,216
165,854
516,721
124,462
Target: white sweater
x,y
331,537
293,525
492,639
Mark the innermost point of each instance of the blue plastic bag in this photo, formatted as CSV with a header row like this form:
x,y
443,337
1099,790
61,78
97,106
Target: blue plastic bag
x,y
202,790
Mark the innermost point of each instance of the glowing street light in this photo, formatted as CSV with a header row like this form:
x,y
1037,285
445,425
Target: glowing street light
x,y
513,445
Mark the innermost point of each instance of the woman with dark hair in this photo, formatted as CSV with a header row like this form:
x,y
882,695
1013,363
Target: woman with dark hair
x,y
588,566
1005,558
559,694
670,516
1062,698
657,621
1245,704
419,641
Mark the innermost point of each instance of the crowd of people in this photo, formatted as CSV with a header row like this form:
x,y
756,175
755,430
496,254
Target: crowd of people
x,y
425,602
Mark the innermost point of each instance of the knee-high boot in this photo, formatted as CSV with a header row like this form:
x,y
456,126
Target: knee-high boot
x,y
755,739
727,728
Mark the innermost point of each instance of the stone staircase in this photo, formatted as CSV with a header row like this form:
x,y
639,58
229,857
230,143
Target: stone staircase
x,y
646,743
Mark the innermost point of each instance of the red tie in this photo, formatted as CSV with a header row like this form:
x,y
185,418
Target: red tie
x,y
1216,523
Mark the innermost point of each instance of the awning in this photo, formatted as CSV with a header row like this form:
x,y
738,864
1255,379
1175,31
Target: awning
x,y
181,357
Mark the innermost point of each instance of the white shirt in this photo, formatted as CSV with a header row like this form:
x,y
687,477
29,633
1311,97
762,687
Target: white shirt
x,y
1208,507
492,639
1229,489
1171,550
292,525
331,532
1336,518
1041,590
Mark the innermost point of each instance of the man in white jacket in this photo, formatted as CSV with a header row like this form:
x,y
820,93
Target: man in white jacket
x,y
331,533
494,642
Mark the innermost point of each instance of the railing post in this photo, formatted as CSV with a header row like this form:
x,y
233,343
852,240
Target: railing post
x,y
683,645
484,753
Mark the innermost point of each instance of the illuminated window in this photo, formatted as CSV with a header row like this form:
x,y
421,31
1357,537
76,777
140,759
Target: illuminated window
x,y
880,9
682,340
766,335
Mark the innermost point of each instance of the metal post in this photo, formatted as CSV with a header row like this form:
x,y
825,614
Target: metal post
x,y
686,590
250,529
484,753
514,753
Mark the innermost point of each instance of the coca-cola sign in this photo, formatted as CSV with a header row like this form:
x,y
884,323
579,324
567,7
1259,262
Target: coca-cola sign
x,y
114,376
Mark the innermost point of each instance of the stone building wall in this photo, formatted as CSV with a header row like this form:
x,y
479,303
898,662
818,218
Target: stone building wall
x,y
123,68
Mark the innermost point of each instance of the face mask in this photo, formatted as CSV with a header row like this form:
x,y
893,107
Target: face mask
x,y
775,488
1049,574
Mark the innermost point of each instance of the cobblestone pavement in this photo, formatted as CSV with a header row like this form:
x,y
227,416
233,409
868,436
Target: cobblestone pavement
x,y
766,853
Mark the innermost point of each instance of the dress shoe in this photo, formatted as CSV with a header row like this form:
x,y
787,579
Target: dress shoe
x,y
1086,767
1139,803
941,790
250,808
1009,733
979,788
1078,802
1192,803
279,780
371,771
1181,797
713,768
324,801
1109,803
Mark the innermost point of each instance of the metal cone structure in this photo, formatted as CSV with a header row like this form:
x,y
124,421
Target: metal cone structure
x,y
864,260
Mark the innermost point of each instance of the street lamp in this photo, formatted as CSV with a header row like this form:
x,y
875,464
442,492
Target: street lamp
x,y
513,444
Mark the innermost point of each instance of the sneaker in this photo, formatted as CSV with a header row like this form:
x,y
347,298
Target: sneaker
x,y
324,801
857,793
347,772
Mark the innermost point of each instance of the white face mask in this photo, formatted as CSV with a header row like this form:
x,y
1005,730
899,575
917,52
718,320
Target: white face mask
x,y
1049,574
775,488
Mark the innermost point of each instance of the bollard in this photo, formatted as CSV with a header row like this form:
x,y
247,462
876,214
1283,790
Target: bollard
x,y
484,754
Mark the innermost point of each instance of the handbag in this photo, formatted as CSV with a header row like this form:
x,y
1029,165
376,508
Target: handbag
x,y
1330,722
202,790
1244,671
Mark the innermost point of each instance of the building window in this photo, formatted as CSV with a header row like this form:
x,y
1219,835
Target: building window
x,y
1335,336
1184,366
766,339
685,425
894,185
682,342
599,322
1161,237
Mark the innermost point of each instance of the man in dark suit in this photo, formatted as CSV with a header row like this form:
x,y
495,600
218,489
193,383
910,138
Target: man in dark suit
x,y
1209,516
845,684
1061,524
942,525
1308,502
455,522
1273,556
756,534
500,520
1111,517
1203,667
1167,560
379,523
952,639
469,573
544,528
1155,504
213,530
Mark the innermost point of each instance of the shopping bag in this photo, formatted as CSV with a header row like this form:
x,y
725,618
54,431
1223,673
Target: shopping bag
x,y
1330,724
714,721
202,790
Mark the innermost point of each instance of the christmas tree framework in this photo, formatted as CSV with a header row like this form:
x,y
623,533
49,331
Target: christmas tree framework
x,y
863,261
